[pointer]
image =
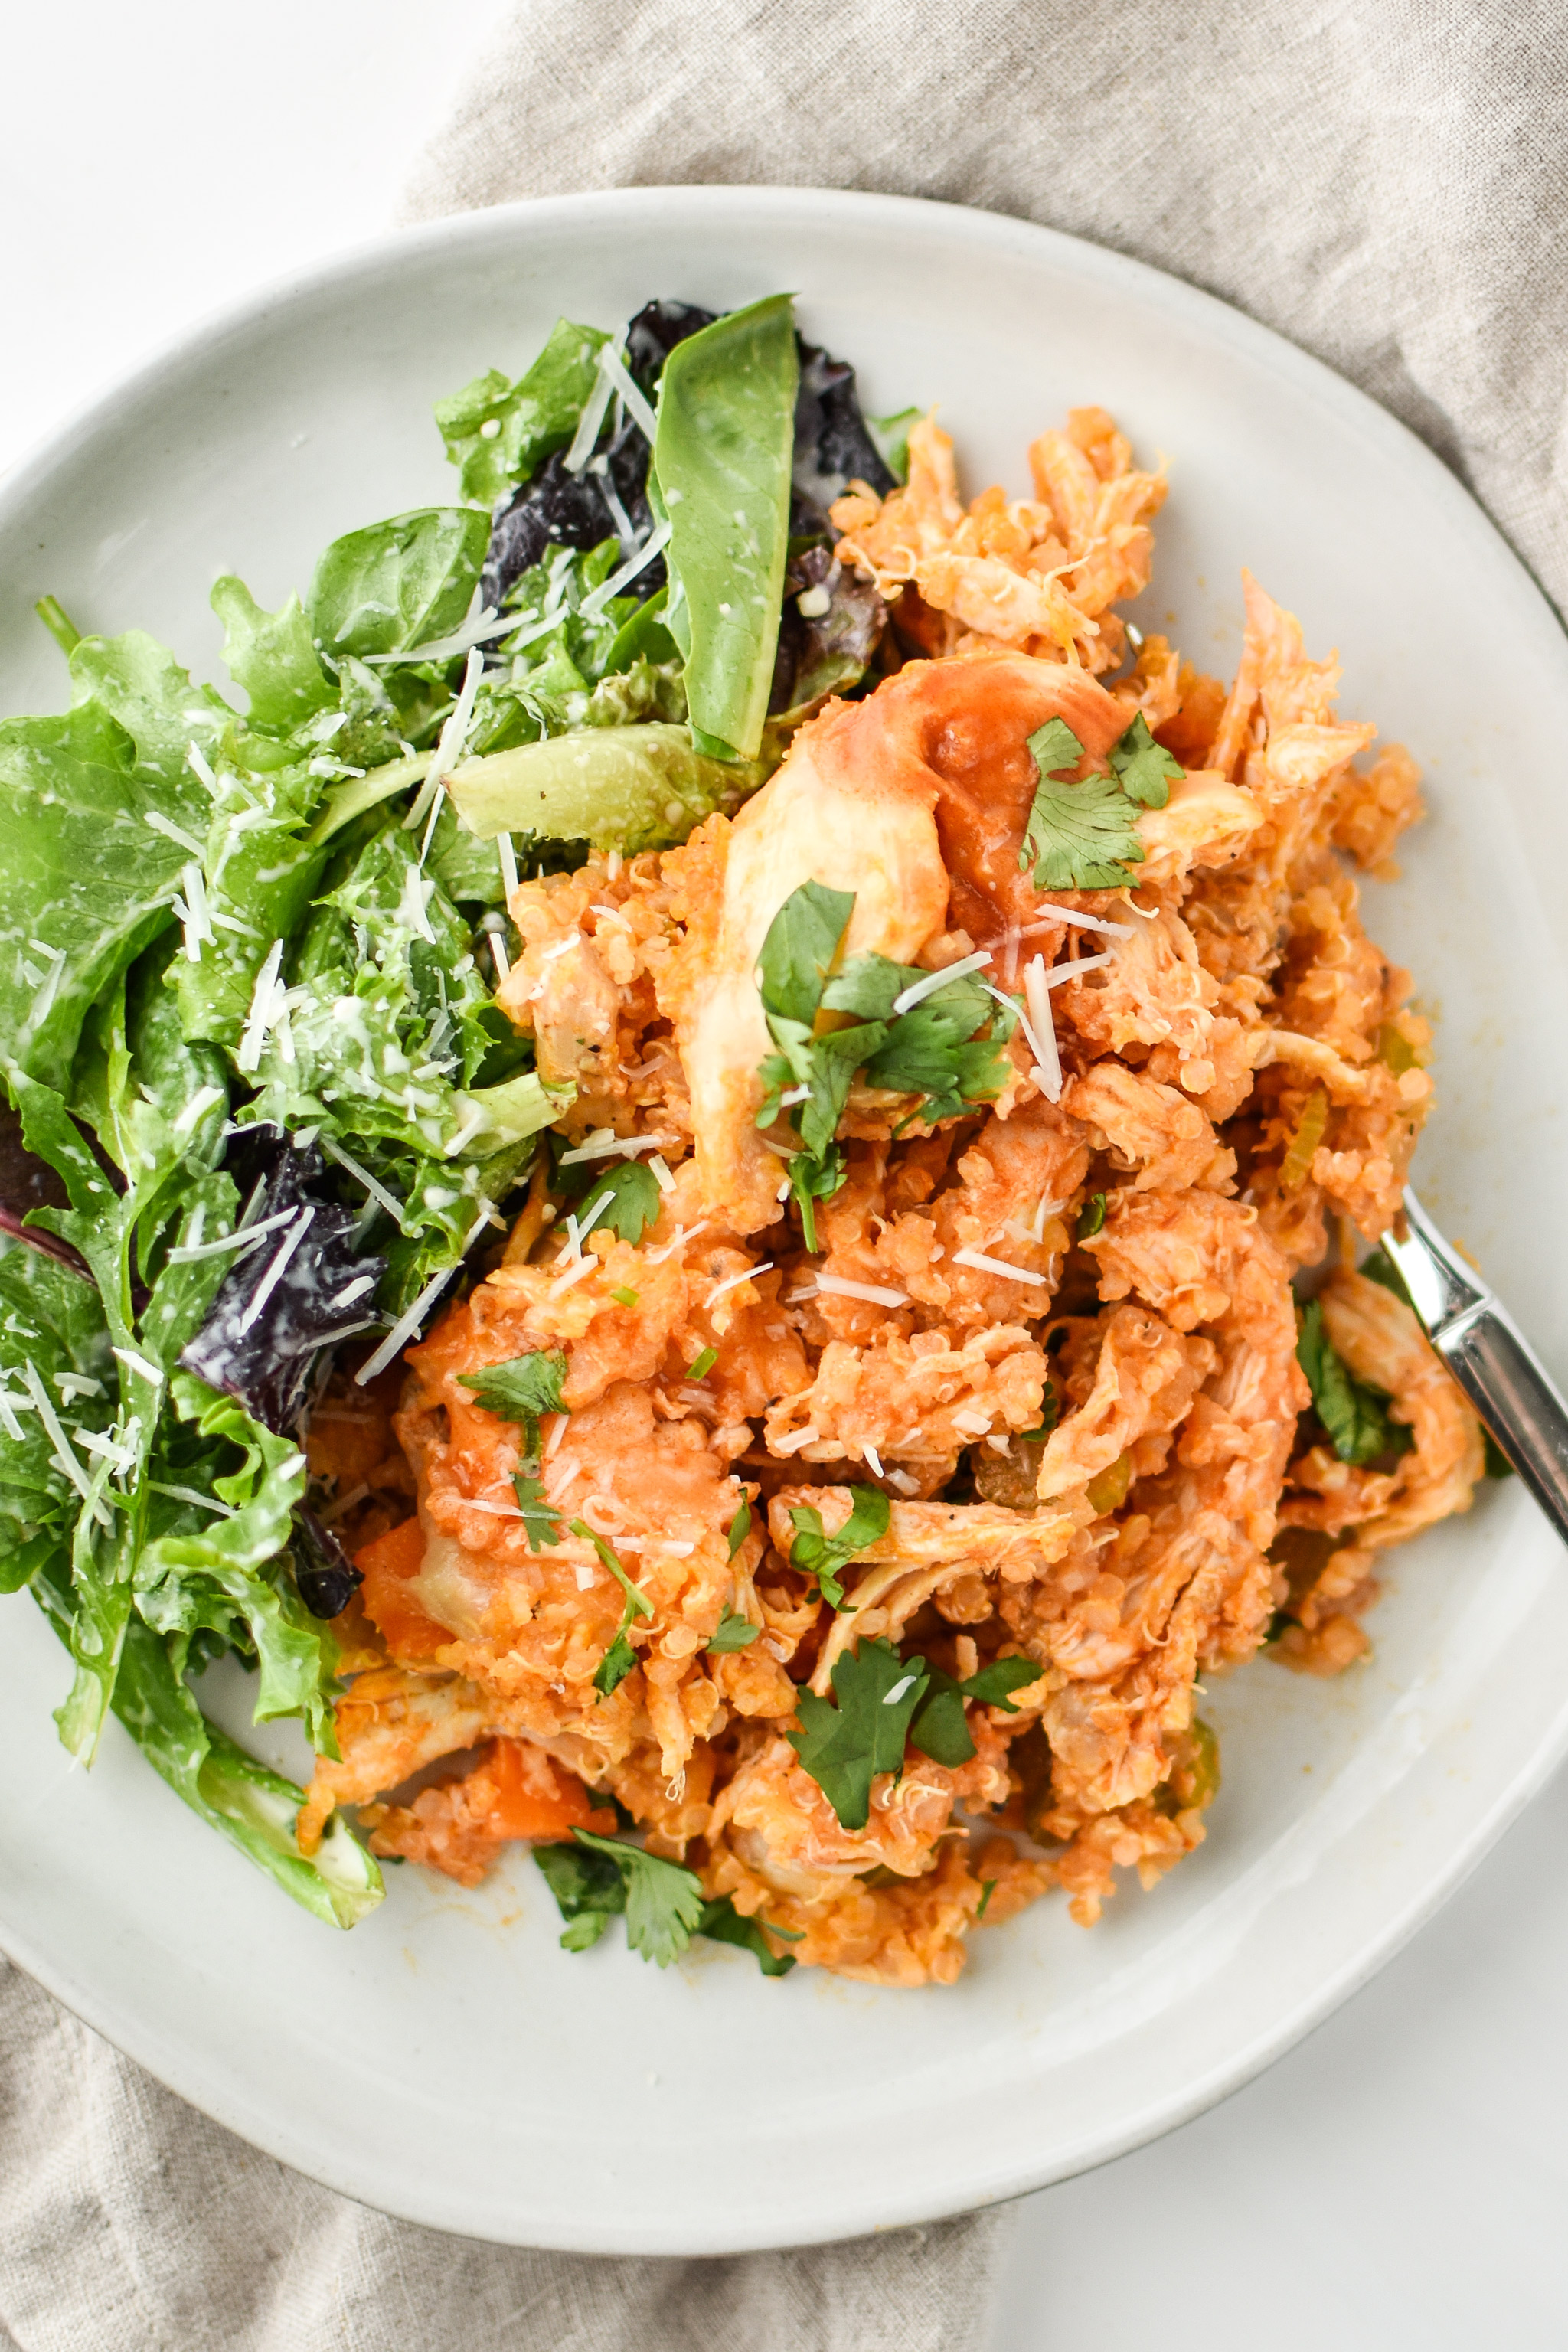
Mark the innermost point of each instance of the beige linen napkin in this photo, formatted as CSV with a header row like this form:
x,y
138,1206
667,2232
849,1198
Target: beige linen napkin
x,y
1386,181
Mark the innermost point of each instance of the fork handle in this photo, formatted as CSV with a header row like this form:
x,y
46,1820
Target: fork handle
x,y
1513,1392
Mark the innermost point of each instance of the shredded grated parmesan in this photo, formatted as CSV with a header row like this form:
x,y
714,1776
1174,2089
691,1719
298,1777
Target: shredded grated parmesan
x,y
875,1294
935,980
983,1265
734,1281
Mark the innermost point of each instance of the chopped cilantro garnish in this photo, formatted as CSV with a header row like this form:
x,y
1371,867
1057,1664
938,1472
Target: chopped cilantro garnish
x,y
724,1924
700,1366
588,1889
932,1050
739,1528
798,952
733,1633
1084,835
540,1519
845,1746
626,1296
594,1878
939,1730
1091,1217
634,1197
1352,1414
620,1657
1146,768
822,1555
663,1901
615,1664
520,1391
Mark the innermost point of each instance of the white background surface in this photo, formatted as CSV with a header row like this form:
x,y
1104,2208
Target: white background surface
x,y
1397,2182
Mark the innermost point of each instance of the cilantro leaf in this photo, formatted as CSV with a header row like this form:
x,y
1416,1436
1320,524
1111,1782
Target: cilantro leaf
x,y
664,1902
1056,747
588,1889
724,1924
1144,765
1079,834
1351,1413
802,942
940,1729
615,1665
811,1181
1092,1216
868,985
733,1633
540,1520
843,1747
634,1197
927,1052
620,1657
819,1554
519,1390
739,1528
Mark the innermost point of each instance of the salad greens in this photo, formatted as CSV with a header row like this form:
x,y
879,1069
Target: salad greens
x,y
263,1102
722,457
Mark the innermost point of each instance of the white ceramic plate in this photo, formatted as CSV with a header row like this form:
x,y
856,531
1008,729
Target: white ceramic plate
x,y
446,2061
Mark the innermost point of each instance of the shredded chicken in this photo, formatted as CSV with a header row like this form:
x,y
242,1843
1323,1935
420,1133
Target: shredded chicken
x,y
1055,1337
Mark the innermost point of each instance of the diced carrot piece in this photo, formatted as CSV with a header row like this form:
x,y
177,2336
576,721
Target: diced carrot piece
x,y
387,1565
536,1798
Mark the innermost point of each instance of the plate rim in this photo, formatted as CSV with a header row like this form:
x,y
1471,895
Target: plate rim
x,y
1218,321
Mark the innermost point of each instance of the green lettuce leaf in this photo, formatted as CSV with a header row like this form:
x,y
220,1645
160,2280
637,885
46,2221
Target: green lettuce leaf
x,y
723,459
530,418
86,876
270,655
229,1568
399,584
625,788
255,1809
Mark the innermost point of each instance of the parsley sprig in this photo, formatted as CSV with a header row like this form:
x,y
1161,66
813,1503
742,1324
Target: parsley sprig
x,y
1083,834
822,1555
882,1703
932,1050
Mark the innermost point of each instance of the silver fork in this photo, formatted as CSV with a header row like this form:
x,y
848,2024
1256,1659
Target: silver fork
x,y
1489,1356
